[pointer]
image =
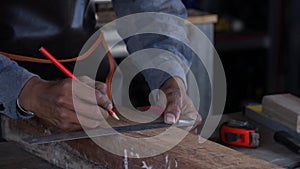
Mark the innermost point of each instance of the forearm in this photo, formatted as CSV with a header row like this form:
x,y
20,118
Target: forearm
x,y
176,66
13,78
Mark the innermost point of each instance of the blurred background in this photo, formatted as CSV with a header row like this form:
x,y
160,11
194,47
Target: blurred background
x,y
259,44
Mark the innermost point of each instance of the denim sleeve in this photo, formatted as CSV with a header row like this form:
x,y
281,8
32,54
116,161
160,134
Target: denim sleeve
x,y
143,41
12,80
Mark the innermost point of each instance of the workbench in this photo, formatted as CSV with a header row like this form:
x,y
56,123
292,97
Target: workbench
x,y
192,152
13,156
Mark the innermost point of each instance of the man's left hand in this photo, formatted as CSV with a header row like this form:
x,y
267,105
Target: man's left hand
x,y
178,102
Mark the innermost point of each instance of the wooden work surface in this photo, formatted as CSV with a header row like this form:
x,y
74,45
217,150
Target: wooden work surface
x,y
12,156
84,153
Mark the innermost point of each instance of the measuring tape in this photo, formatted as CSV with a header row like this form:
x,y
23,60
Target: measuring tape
x,y
239,133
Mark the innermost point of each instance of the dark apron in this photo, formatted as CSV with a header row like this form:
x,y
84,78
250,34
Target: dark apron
x,y
61,26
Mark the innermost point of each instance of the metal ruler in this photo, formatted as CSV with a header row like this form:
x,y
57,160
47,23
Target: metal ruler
x,y
104,132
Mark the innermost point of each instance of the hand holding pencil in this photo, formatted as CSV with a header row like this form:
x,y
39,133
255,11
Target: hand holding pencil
x,y
67,104
56,101
107,105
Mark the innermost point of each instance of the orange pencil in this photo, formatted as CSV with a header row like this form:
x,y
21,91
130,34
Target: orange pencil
x,y
68,73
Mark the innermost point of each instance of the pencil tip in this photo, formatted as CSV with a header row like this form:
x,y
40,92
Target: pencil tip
x,y
115,116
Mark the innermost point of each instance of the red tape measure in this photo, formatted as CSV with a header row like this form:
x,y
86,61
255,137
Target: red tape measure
x,y
239,133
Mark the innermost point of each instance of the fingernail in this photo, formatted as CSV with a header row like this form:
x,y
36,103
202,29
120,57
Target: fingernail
x,y
169,118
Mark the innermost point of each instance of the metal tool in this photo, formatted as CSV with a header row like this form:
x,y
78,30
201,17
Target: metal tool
x,y
105,132
239,133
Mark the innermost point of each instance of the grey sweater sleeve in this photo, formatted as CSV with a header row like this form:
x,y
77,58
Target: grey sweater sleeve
x,y
12,80
176,67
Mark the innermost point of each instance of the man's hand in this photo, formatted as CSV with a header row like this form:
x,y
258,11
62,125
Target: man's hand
x,y
54,102
178,102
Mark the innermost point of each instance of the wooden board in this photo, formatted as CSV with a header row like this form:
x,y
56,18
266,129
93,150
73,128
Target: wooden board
x,y
189,153
203,19
13,157
254,112
199,17
283,108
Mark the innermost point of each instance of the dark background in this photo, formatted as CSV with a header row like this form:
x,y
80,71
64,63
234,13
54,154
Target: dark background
x,y
259,44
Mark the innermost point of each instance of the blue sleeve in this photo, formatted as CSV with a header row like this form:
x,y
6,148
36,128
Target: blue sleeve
x,y
12,80
143,41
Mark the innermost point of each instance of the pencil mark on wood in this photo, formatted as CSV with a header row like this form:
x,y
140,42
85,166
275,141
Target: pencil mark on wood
x,y
67,166
167,162
145,165
125,159
176,164
134,155
137,155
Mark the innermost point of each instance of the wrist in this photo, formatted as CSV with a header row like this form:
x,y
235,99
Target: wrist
x,y
27,97
22,113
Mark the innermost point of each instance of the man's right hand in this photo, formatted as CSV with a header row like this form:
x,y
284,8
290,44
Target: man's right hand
x,y
54,102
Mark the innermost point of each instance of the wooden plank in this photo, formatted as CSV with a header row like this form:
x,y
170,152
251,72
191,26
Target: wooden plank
x,y
203,19
189,153
13,157
254,112
284,109
199,17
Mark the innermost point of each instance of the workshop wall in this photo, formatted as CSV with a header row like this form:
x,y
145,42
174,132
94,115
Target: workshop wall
x,y
258,42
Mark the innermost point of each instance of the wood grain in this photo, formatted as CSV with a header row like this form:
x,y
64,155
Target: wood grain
x,y
13,157
192,152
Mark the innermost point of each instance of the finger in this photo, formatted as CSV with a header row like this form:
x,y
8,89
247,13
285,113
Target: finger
x,y
91,95
103,100
94,84
70,119
65,120
87,80
193,129
79,106
90,110
80,90
101,91
101,87
189,110
173,108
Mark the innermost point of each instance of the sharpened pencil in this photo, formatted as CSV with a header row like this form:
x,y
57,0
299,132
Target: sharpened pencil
x,y
68,73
